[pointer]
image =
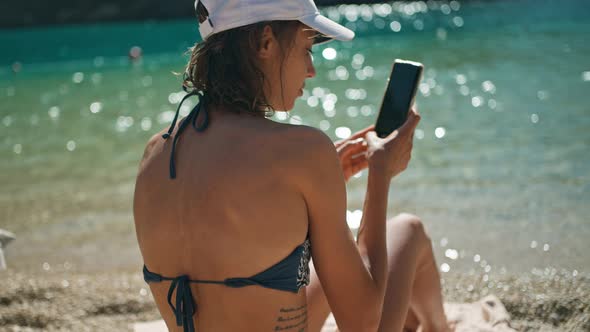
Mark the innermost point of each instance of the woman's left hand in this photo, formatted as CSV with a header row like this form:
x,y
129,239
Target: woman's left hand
x,y
352,153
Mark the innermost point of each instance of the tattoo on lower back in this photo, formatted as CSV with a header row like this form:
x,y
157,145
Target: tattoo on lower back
x,y
292,319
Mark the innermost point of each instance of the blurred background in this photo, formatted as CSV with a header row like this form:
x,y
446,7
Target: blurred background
x,y
500,171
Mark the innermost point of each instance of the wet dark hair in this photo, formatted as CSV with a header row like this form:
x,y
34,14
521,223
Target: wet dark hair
x,y
225,69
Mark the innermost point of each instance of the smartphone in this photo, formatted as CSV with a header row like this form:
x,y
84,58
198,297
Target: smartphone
x,y
399,96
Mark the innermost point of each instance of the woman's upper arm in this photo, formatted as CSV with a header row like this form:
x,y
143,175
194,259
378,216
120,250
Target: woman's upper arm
x,y
347,283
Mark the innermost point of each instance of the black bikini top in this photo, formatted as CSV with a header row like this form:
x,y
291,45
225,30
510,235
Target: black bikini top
x,y
290,274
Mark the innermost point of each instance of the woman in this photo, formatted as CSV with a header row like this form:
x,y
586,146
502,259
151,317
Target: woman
x,y
229,214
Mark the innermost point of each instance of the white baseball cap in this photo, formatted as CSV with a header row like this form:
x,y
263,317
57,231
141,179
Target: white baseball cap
x,y
229,14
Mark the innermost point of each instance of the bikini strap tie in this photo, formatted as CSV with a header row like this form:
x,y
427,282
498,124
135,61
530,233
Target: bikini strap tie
x,y
185,305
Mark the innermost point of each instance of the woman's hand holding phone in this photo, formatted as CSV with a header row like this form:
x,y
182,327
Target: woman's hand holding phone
x,y
391,155
352,152
388,156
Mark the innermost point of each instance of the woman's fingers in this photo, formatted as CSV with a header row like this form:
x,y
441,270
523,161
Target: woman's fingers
x,y
412,121
355,136
352,148
362,133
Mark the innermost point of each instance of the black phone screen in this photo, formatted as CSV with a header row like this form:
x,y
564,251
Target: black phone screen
x,y
399,96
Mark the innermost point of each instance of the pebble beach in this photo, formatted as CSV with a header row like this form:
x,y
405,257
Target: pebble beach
x,y
61,301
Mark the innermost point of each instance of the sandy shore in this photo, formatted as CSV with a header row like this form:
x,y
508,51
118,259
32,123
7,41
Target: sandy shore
x,y
549,301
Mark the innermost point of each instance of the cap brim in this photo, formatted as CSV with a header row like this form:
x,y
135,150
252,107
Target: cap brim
x,y
327,28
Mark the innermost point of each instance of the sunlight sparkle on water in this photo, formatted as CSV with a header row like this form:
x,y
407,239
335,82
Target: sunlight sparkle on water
x,y
351,13
586,76
356,94
395,26
124,123
95,107
328,105
352,111
353,218
458,21
54,112
367,110
313,101
441,34
17,148
343,132
419,133
382,9
418,25
444,267
460,79
96,78
78,77
98,61
488,86
7,121
330,112
366,13
492,103
452,254
329,53
282,116
534,118
342,73
318,92
324,125
542,94
175,97
71,146
440,132
464,90
424,89
146,124
476,101
369,71
357,61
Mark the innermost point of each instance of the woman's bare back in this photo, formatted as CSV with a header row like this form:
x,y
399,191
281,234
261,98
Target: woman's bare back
x,y
233,210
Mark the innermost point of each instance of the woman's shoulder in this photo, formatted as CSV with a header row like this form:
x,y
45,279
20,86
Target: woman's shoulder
x,y
309,150
153,145
305,141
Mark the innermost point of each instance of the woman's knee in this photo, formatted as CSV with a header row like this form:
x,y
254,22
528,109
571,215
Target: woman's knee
x,y
409,224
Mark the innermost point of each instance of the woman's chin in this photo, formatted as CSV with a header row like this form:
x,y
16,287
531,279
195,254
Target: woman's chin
x,y
287,107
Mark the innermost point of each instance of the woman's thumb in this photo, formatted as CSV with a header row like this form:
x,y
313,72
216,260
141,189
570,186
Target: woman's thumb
x,y
412,120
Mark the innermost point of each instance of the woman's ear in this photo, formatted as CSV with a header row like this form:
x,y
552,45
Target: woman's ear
x,y
268,44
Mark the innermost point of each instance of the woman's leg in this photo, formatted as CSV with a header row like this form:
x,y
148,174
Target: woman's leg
x,y
413,291
413,285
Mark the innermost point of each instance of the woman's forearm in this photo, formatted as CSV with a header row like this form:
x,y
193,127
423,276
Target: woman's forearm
x,y
371,237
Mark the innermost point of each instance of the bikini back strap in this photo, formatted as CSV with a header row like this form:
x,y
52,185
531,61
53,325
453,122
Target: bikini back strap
x,y
191,118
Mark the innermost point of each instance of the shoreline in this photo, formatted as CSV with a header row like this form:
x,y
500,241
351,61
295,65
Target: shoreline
x,y
114,301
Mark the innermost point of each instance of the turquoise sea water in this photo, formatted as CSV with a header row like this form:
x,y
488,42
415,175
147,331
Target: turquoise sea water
x,y
500,171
